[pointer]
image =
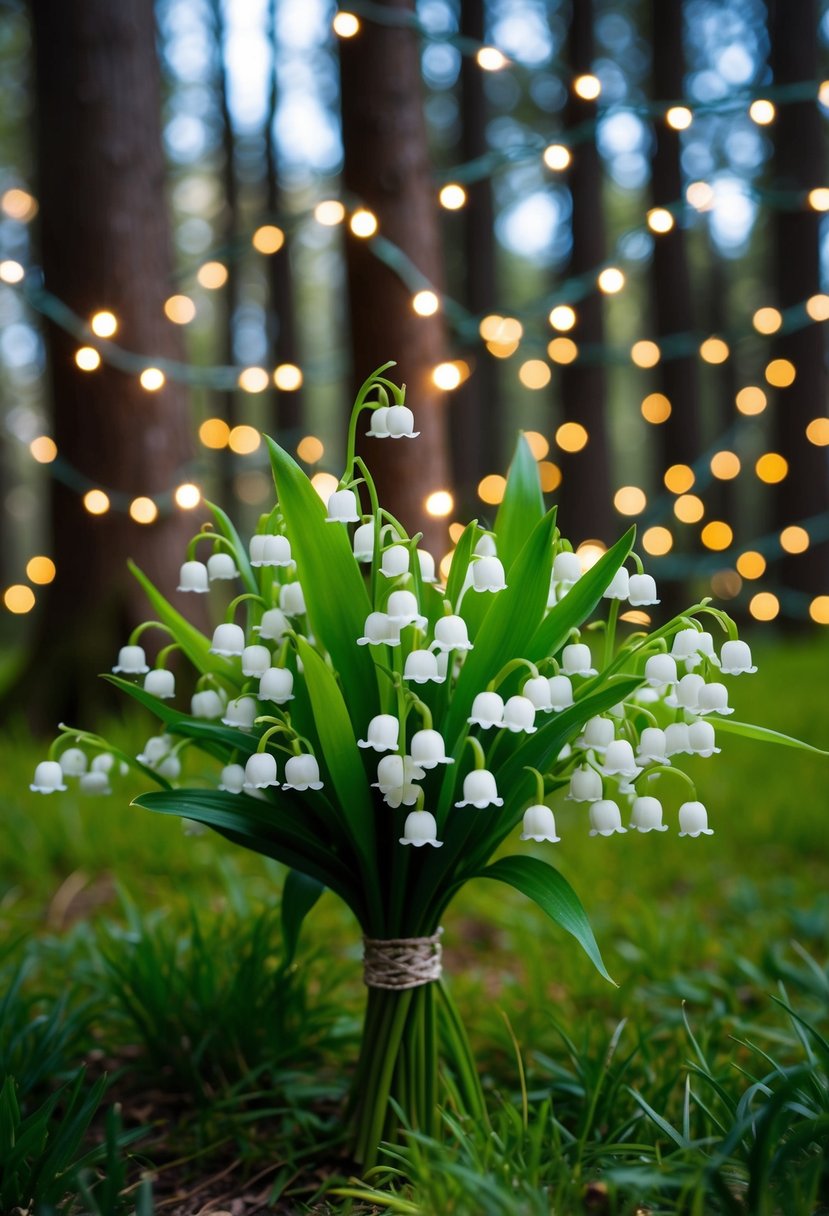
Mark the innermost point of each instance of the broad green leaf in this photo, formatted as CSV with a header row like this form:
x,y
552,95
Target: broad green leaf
x,y
193,643
460,563
299,894
544,885
580,600
335,593
763,734
228,531
521,507
215,739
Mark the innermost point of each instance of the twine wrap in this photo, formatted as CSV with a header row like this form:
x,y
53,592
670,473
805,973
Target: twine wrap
x,y
397,963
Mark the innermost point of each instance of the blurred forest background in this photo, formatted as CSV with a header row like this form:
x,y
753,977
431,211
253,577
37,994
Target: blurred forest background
x,y
603,223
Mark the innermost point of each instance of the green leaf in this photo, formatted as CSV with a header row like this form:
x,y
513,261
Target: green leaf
x,y
228,531
763,734
335,593
580,600
522,505
544,885
299,894
460,563
194,644
215,739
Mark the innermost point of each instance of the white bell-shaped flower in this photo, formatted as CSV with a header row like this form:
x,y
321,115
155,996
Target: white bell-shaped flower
x,y
485,546
260,771
421,666
647,696
302,773
619,585
160,683
488,574
207,704
701,739
255,660
677,739
274,626
155,749
487,710
403,609
576,660
193,577
232,779
605,818
363,542
400,422
48,778
228,639
105,762
277,685
221,567
619,760
586,785
343,508
642,591
687,692
652,745
132,661
713,699
94,785
427,566
519,715
420,828
537,690
395,561
428,749
691,645
380,630
480,790
561,692
661,669
395,771
646,815
539,824
451,634
276,551
597,734
378,425
73,762
383,734
566,569
240,713
292,599
169,767
693,820
735,658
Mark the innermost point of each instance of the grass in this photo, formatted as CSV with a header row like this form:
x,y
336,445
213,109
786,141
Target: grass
x,y
698,1085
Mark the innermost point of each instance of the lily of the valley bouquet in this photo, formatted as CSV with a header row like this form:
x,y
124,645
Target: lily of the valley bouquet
x,y
385,734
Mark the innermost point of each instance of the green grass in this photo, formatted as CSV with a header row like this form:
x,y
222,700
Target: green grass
x,y
154,957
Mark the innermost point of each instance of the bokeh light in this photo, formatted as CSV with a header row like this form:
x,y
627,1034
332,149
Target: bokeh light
x,y
717,535
329,212
43,449
751,564
104,323
726,584
18,205
767,320
794,539
535,374
819,610
179,309
187,496
40,570
557,157
630,500
764,606
143,510
818,307
439,504
363,223
679,118
714,350
243,440
657,541
212,275
425,303
660,220
152,379
611,280
325,484
587,86
656,408
562,317
679,478
780,373
725,465
253,380
491,488
689,509
446,376
645,353
268,239
87,358
19,599
538,444
11,271
345,24
310,449
491,59
771,467
571,437
214,433
550,475
96,502
562,350
751,400
762,112
817,432
287,377
452,196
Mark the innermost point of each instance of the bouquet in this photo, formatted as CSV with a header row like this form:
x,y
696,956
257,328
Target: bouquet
x,y
383,733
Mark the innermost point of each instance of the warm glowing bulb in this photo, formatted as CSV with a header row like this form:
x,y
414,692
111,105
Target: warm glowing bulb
x,y
253,379
104,323
214,433
689,509
700,196
714,350
329,212
43,449
179,309
310,449
537,443
491,488
363,223
751,564
557,157
819,198
762,112
679,118
679,478
767,320
19,598
446,376
571,436
439,504
187,496
660,220
817,432
287,377
630,500
212,275
534,373
87,358
96,502
345,25
152,379
40,570
562,350
452,196
645,354
11,271
656,408
751,400
425,303
549,475
725,465
562,317
268,239
588,86
780,373
818,307
717,535
819,607
490,59
243,440
657,541
794,539
771,468
764,606
611,280
143,510
18,205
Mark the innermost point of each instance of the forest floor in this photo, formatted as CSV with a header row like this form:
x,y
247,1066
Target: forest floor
x,y
141,965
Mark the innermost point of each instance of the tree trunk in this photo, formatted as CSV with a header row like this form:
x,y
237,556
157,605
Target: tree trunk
x,y
798,156
387,168
105,244
474,417
584,497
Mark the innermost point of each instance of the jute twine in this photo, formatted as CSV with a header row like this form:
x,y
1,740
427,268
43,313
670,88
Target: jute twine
x,y
401,962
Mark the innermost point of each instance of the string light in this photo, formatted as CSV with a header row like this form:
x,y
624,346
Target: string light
x,y
689,509
439,504
571,437
152,379
345,25
19,599
87,358
764,606
310,449
537,443
762,112
452,196
562,317
447,376
491,488
819,199
714,350
40,570
268,239
819,610
535,374
679,118
657,541
725,465
771,468
243,440
557,157
780,373
363,223
425,303
329,212
717,535
751,564
253,380
751,400
660,220
18,205
588,87
214,433
679,478
794,539
325,484
187,496
767,320
656,408
287,377
630,500
818,307
645,353
817,432
104,324
11,271
491,59
212,275
611,280
179,309
143,510
562,350
96,502
550,475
